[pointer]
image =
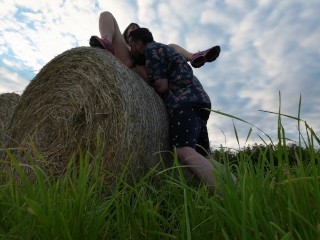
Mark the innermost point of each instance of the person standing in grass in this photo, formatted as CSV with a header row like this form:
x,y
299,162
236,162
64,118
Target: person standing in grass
x,y
186,100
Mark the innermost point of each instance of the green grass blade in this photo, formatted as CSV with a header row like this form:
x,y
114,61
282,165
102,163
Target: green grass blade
x,y
186,212
236,133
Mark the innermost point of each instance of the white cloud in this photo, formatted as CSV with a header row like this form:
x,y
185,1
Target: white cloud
x,y
147,13
7,8
11,81
12,64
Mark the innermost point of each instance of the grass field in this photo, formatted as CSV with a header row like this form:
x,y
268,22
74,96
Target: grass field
x,y
275,197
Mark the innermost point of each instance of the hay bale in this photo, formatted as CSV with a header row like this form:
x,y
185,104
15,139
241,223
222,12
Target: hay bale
x,y
86,93
8,102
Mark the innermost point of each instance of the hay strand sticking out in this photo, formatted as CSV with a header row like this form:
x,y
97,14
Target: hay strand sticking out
x,y
85,93
8,102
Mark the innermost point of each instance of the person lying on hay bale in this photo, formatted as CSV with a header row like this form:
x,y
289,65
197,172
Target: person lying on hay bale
x,y
116,43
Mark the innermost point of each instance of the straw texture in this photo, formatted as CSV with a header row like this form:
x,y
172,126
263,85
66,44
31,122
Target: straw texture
x,y
8,102
86,99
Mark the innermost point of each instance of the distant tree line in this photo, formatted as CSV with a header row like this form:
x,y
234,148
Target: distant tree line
x,y
291,154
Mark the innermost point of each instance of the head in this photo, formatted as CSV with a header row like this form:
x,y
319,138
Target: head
x,y
138,40
141,34
131,27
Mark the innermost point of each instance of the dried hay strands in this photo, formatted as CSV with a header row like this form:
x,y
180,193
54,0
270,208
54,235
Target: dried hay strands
x,y
8,102
84,94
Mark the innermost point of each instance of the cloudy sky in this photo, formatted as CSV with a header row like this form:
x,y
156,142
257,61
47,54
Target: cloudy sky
x,y
268,47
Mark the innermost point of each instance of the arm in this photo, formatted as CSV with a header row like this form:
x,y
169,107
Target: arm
x,y
161,85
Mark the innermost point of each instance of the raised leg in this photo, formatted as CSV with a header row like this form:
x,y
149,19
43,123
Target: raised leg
x,y
109,29
183,52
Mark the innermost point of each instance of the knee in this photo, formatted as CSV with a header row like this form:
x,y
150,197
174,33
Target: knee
x,y
183,153
106,14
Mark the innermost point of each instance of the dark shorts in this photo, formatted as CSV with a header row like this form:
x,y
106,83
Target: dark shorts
x,y
188,128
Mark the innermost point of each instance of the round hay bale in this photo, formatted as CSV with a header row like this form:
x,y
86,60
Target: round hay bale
x,y
8,102
85,96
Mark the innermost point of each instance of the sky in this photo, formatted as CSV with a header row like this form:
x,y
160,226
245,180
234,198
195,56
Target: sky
x,y
270,53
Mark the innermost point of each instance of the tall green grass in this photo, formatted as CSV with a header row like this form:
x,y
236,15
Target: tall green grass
x,y
269,201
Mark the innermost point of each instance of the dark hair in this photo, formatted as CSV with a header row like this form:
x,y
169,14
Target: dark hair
x,y
126,38
141,34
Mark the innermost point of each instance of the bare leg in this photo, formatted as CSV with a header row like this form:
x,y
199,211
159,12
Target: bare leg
x,y
109,28
200,166
183,52
200,58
